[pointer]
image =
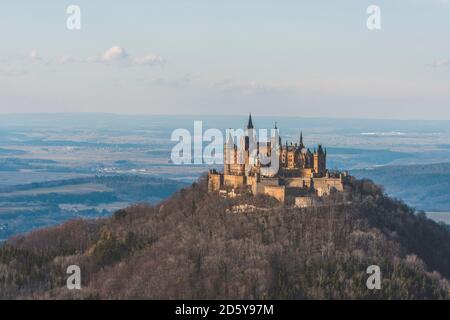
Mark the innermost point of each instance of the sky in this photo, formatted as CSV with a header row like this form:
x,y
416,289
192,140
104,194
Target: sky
x,y
300,58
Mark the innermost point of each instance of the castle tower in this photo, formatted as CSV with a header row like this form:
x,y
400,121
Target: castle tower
x,y
228,155
250,134
251,147
320,165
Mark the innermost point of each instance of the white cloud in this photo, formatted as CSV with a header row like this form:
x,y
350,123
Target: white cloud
x,y
118,55
114,54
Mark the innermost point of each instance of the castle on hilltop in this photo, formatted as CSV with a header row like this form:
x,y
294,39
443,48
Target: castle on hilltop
x,y
289,172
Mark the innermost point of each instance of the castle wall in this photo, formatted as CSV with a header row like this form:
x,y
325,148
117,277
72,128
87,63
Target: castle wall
x,y
297,182
251,180
293,192
236,169
278,192
214,182
257,188
325,185
270,181
233,181
306,173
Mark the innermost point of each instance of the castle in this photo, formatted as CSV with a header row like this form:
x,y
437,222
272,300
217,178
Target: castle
x,y
289,173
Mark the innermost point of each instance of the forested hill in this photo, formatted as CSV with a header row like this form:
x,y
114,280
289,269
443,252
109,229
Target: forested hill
x,y
192,246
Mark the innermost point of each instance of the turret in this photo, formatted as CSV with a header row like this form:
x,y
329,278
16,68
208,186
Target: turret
x,y
320,166
320,149
251,147
275,137
228,153
301,140
250,122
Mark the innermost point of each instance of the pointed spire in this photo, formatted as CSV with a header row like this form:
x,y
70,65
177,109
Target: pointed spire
x,y
301,146
230,141
275,136
250,123
320,149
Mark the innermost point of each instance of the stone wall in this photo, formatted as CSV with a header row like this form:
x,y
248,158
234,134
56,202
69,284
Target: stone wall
x,y
297,182
214,182
233,181
278,192
325,185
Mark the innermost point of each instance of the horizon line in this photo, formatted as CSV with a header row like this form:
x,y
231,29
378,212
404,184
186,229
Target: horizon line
x,y
218,115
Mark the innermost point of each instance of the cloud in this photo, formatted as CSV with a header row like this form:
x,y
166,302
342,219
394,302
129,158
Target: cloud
x,y
114,54
118,55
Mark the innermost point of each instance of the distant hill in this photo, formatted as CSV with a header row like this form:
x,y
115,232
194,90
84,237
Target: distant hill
x,y
362,158
192,247
11,152
42,204
424,187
